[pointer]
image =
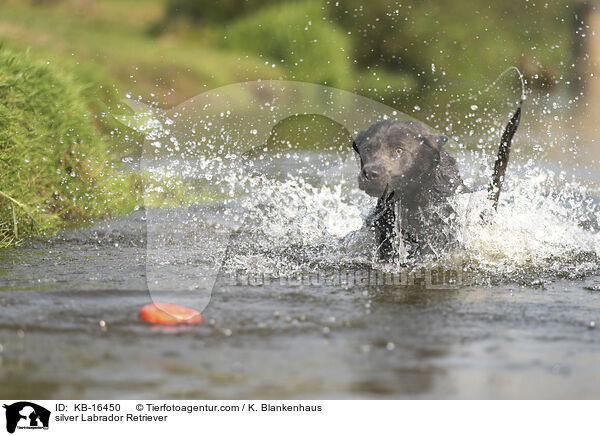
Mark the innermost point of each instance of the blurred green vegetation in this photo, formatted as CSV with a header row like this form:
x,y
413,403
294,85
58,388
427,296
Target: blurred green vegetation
x,y
294,36
109,45
83,56
400,53
211,12
459,45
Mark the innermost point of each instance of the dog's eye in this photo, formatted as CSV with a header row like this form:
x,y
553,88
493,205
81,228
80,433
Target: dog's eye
x,y
354,146
399,151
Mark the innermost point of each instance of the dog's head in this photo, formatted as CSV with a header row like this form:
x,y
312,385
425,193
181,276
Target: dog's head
x,y
396,156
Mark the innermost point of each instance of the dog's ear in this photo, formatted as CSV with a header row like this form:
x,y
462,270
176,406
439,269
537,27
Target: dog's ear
x,y
435,144
437,141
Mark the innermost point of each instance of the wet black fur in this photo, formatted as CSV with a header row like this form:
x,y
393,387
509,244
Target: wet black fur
x,y
416,201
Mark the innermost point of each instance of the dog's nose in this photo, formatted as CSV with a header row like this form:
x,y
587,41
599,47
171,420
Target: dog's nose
x,y
371,172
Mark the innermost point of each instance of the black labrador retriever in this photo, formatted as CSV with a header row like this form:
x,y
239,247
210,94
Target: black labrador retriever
x,y
407,168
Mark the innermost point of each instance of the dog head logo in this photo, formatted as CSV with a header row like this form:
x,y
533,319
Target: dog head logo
x,y
24,414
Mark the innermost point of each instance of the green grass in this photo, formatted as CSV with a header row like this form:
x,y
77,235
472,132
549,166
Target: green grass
x,y
54,164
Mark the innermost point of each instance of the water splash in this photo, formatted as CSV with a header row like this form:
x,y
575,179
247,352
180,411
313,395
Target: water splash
x,y
292,210
545,227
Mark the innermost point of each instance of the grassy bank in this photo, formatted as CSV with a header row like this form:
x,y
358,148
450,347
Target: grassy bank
x,y
54,162
64,67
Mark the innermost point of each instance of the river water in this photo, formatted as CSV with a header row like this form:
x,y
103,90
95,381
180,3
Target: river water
x,y
514,316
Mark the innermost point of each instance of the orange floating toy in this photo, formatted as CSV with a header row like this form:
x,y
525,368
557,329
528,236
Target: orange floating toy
x,y
165,313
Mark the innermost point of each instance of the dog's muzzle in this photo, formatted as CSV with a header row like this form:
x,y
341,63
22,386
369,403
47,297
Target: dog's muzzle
x,y
373,179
